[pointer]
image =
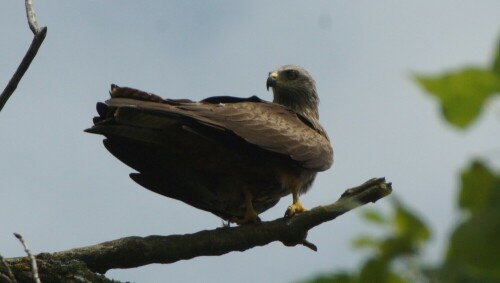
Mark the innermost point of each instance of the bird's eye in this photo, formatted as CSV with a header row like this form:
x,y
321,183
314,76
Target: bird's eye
x,y
292,74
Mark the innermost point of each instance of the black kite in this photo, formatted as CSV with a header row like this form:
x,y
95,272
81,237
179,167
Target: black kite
x,y
234,157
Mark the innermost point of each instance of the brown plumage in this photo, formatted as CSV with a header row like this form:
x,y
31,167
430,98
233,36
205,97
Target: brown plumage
x,y
234,157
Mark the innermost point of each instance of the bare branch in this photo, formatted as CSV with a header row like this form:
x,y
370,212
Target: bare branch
x,y
132,252
34,268
39,36
10,276
30,14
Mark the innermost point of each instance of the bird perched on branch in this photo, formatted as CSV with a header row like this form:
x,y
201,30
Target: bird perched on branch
x,y
234,157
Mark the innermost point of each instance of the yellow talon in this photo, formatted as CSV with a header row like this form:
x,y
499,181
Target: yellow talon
x,y
296,207
250,214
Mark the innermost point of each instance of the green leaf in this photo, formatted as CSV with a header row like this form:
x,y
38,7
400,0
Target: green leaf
x,y
480,188
340,278
408,224
462,93
337,277
374,216
394,247
475,246
378,270
365,241
496,60
374,270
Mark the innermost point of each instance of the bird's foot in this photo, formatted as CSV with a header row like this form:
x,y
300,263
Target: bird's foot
x,y
294,208
250,218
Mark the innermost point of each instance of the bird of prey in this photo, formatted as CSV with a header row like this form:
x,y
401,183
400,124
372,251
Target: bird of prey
x,y
234,157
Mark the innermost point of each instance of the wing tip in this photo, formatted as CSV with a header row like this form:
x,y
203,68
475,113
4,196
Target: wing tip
x,y
128,92
114,88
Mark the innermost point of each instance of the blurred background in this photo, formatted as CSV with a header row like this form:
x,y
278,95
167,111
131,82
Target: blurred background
x,y
61,189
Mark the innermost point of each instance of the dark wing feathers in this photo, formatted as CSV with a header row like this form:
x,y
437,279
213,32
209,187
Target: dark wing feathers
x,y
230,99
270,126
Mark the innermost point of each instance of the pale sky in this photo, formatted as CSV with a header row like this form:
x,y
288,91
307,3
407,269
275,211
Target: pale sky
x,y
61,189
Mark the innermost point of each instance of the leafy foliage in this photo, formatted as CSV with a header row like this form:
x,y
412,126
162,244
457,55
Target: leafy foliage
x,y
407,234
480,190
496,61
472,253
474,245
463,93
473,249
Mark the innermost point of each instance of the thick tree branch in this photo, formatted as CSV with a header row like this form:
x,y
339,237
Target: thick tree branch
x,y
39,36
81,264
132,252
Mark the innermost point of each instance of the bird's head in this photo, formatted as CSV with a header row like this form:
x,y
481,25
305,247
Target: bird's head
x,y
295,88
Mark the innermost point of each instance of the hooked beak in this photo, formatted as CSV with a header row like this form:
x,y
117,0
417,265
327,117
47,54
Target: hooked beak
x,y
271,80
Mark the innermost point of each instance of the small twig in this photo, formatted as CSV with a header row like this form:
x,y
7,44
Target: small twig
x,y
30,14
310,245
10,276
39,36
34,267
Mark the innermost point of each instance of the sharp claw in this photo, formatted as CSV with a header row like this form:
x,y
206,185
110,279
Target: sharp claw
x,y
293,209
289,213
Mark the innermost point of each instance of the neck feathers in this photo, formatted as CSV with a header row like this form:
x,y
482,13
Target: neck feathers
x,y
301,102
